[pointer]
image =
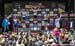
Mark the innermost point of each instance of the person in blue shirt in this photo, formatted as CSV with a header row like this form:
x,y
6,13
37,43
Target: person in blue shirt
x,y
5,24
15,24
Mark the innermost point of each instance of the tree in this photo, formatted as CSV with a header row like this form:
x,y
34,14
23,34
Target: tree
x,y
8,7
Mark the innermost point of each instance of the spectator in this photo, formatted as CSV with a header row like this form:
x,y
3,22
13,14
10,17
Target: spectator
x,y
23,14
15,24
73,41
57,22
5,24
56,32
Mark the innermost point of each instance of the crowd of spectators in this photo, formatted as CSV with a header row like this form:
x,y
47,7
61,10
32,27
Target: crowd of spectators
x,y
31,18
56,37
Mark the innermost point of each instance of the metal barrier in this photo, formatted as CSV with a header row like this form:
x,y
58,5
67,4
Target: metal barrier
x,y
61,45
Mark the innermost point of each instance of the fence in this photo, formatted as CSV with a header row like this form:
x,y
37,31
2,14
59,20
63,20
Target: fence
x,y
61,45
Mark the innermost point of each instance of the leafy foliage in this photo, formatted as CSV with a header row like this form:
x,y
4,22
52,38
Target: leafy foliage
x,y
8,8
